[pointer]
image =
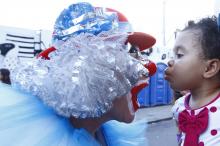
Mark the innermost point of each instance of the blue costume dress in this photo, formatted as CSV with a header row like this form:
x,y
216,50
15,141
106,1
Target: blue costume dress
x,y
26,121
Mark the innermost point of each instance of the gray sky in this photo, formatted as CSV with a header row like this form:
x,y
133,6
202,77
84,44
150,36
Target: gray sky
x,y
145,15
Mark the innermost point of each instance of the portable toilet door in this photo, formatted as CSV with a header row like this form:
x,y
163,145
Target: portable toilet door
x,y
159,87
144,97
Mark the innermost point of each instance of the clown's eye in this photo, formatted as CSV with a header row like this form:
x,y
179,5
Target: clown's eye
x,y
134,52
133,49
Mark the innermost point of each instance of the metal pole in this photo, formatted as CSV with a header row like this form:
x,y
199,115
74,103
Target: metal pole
x,y
164,23
40,39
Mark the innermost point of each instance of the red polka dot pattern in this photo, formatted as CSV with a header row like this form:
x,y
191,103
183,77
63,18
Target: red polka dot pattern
x,y
213,109
201,143
214,132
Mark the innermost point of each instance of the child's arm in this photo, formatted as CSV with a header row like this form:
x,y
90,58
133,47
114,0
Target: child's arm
x,y
178,135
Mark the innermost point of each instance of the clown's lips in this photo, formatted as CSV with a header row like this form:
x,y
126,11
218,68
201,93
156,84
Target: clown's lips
x,y
135,90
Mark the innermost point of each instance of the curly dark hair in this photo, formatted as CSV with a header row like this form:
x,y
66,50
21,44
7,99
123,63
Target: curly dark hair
x,y
210,36
5,76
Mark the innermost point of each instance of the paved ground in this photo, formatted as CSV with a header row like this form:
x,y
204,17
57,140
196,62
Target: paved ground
x,y
161,129
154,114
162,133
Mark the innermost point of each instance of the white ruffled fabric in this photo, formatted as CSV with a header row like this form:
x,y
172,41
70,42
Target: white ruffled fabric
x,y
83,76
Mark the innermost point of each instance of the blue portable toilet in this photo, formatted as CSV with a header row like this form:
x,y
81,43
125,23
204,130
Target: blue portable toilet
x,y
144,97
159,87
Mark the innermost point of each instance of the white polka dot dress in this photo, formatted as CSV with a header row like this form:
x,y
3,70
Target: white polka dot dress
x,y
211,136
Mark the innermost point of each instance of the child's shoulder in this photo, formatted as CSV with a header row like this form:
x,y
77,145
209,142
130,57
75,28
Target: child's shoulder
x,y
178,106
179,102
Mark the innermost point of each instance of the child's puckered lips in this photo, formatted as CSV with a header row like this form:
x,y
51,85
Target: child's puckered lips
x,y
167,74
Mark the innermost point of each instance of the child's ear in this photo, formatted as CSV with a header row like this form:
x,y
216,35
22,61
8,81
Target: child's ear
x,y
212,68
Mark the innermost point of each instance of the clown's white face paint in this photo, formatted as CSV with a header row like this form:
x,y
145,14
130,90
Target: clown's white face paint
x,y
122,109
130,104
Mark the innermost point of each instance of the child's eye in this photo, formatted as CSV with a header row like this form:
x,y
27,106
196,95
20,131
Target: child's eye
x,y
179,55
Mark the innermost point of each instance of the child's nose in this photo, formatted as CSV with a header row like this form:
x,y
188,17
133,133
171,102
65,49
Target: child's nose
x,y
170,63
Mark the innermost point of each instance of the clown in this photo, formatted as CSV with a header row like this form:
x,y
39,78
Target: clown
x,y
86,79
